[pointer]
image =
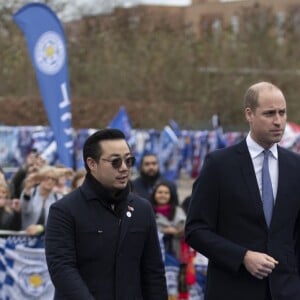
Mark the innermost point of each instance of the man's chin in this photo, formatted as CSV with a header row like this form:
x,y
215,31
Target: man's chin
x,y
152,174
277,139
121,186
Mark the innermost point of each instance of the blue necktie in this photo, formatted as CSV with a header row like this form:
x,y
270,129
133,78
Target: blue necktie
x,y
267,191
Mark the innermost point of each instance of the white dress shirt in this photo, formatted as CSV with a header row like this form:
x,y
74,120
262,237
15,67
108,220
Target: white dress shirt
x,y
257,156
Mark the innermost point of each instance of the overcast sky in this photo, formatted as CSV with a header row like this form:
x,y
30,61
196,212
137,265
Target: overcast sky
x,y
87,7
74,9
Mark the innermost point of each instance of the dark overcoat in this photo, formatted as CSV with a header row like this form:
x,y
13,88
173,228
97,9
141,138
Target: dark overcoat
x,y
93,254
226,219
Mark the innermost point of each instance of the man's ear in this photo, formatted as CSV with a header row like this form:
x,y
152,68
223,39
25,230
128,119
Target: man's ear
x,y
91,163
248,113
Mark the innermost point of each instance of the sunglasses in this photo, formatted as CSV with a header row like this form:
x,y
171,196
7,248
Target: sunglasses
x,y
117,162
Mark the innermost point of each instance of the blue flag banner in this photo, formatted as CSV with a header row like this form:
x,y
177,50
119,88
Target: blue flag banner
x,y
201,148
144,142
168,153
9,145
172,271
181,155
82,135
47,47
121,121
197,290
175,127
23,270
219,137
187,145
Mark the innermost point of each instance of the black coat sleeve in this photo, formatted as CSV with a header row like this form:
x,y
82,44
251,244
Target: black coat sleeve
x,y
61,255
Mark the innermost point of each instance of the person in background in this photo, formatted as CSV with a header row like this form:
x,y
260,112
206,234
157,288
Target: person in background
x,y
77,179
62,186
37,196
10,213
245,209
101,239
33,163
170,217
149,176
2,174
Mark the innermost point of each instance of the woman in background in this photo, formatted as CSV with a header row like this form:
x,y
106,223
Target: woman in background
x,y
37,197
10,211
170,217
77,179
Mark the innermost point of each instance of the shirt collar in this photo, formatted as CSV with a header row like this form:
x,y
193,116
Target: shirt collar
x,y
255,149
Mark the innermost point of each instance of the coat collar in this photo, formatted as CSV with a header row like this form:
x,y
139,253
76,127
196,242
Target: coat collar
x,y
128,215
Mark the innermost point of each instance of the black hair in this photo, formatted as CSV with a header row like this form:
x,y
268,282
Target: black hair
x,y
173,196
92,145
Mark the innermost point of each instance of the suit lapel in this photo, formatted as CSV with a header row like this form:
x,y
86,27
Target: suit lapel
x,y
280,201
248,175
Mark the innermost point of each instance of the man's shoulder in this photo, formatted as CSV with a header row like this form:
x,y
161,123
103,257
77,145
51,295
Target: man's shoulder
x,y
137,180
229,151
142,209
139,201
287,151
70,199
292,155
140,186
137,198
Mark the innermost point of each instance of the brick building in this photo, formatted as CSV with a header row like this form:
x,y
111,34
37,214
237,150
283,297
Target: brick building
x,y
200,15
205,13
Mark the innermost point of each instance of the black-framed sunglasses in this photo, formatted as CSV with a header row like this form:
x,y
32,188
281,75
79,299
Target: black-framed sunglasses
x,y
117,162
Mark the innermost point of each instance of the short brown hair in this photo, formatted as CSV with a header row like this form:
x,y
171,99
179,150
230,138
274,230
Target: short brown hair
x,y
252,94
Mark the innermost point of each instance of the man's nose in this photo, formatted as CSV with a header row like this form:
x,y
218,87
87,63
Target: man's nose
x,y
124,165
278,119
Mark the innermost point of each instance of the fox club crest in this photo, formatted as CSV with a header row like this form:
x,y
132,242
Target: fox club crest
x,y
49,53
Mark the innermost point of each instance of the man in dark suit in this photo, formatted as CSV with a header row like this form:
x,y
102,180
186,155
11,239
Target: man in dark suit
x,y
101,240
244,210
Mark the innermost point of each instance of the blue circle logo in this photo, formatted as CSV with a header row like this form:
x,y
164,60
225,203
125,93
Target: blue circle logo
x,y
49,53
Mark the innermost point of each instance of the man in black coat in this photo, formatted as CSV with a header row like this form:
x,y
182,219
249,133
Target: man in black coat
x,y
149,176
101,240
251,246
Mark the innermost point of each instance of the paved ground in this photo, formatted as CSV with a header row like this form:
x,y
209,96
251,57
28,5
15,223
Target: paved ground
x,y
184,187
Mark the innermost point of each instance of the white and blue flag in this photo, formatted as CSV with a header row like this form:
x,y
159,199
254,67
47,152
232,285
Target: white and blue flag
x,y
122,122
23,270
169,153
47,47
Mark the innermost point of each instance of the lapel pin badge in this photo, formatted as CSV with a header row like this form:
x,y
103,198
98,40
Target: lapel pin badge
x,y
129,212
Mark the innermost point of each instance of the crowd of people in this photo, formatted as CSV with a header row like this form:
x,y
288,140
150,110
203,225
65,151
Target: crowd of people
x,y
101,236
27,196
